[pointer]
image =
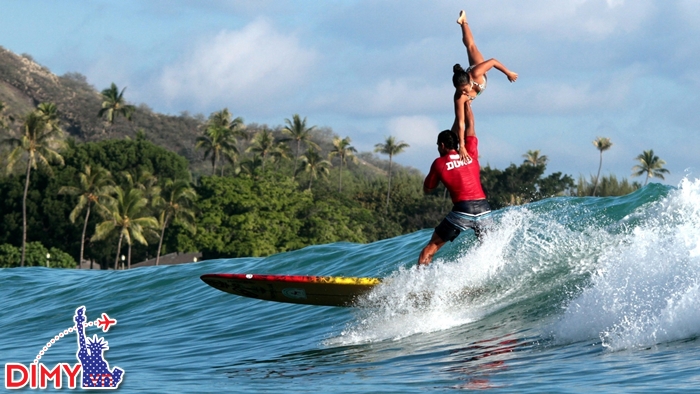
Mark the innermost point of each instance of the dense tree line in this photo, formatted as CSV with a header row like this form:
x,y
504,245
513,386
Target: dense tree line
x,y
265,190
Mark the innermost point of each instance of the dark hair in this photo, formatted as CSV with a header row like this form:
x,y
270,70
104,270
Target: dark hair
x,y
448,138
459,76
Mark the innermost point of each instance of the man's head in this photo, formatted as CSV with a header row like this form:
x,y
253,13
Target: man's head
x,y
447,141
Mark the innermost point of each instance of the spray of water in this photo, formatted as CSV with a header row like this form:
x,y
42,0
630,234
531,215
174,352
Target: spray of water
x,y
647,284
471,280
622,271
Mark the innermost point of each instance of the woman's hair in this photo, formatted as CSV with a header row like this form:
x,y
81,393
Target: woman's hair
x,y
448,138
459,76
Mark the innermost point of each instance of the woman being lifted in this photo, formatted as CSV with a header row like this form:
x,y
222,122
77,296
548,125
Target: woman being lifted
x,y
471,82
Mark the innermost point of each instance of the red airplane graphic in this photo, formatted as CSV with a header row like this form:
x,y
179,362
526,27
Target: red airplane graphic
x,y
105,322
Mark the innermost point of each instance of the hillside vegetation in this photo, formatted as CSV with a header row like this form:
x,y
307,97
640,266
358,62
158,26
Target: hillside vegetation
x,y
193,183
24,84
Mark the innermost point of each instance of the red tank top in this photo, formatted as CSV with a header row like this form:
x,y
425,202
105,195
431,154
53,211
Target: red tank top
x,y
461,179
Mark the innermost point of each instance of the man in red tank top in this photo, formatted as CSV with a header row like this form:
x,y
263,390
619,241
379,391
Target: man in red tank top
x,y
462,180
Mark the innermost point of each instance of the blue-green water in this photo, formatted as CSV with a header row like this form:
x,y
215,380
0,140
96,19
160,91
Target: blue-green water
x,y
568,295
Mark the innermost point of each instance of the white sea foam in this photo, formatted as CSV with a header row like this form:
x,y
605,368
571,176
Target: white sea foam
x,y
647,284
427,299
629,282
475,280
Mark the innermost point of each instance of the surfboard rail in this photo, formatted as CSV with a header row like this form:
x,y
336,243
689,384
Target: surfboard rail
x,y
296,289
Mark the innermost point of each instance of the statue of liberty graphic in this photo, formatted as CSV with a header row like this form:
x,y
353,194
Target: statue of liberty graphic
x,y
96,372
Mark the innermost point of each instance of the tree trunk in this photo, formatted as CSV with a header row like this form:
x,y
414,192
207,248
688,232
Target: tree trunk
x,y
340,176
119,247
600,165
296,158
160,243
388,189
24,211
82,239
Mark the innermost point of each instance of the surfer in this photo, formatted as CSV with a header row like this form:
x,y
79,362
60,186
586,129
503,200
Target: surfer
x,y
471,82
462,180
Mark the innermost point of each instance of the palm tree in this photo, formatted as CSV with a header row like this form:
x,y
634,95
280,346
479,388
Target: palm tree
x,y
390,147
280,152
214,142
40,139
175,203
263,144
231,157
49,112
224,120
532,157
127,215
224,128
113,104
94,188
650,164
342,149
249,166
602,144
219,137
314,164
144,181
298,131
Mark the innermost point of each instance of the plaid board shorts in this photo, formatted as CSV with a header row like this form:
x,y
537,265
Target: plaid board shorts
x,y
465,215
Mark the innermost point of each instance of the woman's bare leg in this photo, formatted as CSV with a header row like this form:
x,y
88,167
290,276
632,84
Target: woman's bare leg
x,y
475,56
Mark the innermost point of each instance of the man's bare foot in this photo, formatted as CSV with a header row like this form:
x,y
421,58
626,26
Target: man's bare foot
x,y
462,17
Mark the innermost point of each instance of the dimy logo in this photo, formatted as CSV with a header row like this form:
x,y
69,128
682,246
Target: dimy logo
x,y
92,366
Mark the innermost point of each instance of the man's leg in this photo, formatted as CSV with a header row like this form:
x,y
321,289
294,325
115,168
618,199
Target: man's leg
x,y
481,227
426,256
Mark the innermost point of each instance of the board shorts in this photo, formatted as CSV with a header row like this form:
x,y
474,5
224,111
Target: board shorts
x,y
465,215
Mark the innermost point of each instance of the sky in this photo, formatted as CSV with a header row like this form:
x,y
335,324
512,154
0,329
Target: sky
x,y
369,69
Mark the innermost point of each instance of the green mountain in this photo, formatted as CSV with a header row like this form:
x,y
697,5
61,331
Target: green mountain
x,y
25,84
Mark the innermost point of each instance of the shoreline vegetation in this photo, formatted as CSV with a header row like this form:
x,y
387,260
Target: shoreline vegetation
x,y
89,177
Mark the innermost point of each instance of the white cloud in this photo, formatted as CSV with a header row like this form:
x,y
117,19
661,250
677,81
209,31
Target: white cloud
x,y
417,131
256,65
604,92
113,65
420,132
615,3
690,13
390,97
368,69
578,19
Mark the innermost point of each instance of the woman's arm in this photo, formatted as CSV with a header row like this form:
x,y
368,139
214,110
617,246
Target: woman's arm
x,y
481,69
459,127
470,130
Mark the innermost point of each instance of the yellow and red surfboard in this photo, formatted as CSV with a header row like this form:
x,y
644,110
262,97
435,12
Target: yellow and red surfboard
x,y
296,289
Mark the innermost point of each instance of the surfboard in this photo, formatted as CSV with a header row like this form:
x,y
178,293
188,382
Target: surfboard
x,y
295,289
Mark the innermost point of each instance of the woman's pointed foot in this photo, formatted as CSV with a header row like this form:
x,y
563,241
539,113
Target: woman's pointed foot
x,y
462,17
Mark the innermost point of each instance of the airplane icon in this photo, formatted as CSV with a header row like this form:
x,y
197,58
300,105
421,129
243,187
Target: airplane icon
x,y
105,322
